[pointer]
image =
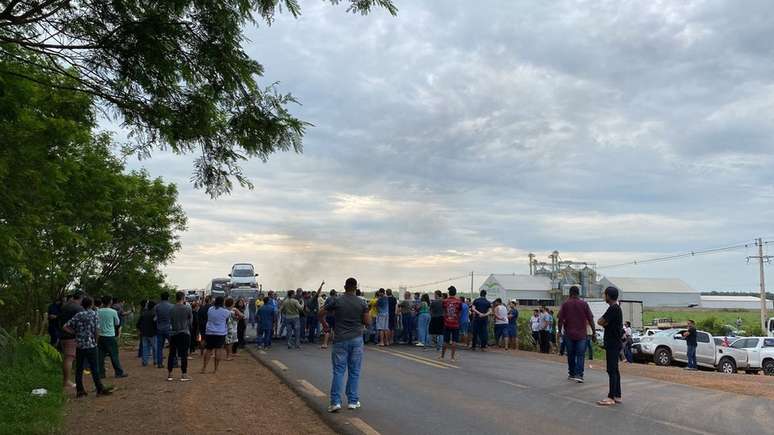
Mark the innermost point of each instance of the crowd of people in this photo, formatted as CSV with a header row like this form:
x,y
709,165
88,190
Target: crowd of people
x,y
87,330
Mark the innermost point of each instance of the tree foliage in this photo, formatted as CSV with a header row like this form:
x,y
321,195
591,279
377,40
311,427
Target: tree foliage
x,y
69,213
174,70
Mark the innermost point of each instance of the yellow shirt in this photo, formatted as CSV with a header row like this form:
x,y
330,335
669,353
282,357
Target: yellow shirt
x,y
372,306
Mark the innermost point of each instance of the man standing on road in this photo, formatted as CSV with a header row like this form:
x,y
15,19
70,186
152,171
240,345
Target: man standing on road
x,y
179,340
351,314
407,319
612,321
452,312
67,339
83,326
690,342
109,323
436,320
392,305
162,313
382,317
534,324
312,323
574,316
266,317
481,310
291,310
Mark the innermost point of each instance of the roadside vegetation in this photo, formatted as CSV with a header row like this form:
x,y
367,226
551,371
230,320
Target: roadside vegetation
x,y
716,321
28,363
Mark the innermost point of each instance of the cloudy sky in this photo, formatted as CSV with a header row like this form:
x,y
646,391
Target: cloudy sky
x,y
457,138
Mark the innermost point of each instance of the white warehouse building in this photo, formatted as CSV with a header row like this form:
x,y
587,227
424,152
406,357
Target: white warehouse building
x,y
529,290
734,302
654,292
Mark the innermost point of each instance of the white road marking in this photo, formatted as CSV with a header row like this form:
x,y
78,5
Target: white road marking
x,y
513,384
434,361
363,426
311,389
279,364
411,358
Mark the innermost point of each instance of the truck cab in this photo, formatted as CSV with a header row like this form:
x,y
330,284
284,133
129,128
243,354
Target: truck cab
x,y
760,353
243,275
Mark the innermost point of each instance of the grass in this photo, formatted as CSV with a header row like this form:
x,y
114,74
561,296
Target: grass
x,y
26,364
750,318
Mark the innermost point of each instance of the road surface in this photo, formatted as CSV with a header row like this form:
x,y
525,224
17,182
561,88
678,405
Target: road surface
x,y
405,390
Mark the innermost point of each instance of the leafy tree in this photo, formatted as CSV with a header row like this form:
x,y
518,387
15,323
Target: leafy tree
x,y
174,70
68,211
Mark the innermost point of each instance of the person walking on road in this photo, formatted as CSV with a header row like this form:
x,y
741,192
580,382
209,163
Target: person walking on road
x,y
162,313
612,321
291,310
84,327
215,333
691,343
109,333
574,317
436,320
482,308
180,336
452,313
351,314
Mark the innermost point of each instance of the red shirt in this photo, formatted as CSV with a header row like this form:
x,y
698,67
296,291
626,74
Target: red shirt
x,y
574,315
452,311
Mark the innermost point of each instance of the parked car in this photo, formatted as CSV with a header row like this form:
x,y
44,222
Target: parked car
x,y
760,353
669,346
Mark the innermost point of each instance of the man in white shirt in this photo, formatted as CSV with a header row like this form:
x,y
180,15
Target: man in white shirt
x,y
534,323
501,323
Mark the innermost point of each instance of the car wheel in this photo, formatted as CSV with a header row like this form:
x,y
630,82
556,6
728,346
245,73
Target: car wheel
x,y
727,365
768,367
663,357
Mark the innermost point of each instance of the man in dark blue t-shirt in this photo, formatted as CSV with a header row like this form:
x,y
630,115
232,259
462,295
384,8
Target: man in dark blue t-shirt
x,y
612,321
481,310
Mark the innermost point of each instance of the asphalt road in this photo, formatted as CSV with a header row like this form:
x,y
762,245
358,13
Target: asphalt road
x,y
405,390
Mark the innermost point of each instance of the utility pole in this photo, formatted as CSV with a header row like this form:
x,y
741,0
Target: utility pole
x,y
471,285
761,260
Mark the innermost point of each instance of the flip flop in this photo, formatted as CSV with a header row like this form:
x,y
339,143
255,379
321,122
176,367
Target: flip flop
x,y
618,400
606,402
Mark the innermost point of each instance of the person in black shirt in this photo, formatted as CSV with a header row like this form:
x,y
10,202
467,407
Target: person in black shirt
x,y
612,321
690,342
481,310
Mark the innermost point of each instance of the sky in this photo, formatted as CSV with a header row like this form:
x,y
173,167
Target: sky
x,y
458,137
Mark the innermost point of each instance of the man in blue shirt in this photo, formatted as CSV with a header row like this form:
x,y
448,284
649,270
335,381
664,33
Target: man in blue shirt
x,y
163,316
481,310
464,322
382,317
266,317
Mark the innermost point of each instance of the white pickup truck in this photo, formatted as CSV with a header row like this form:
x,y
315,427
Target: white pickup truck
x,y
760,353
668,346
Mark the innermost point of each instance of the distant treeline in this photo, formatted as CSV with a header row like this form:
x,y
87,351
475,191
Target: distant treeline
x,y
769,295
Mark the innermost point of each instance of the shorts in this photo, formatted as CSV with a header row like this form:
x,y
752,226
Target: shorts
x,y
451,335
68,347
464,327
513,331
501,331
382,322
331,321
214,341
436,326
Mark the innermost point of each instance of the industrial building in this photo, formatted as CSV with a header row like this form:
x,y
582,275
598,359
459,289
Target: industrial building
x,y
655,292
529,290
734,302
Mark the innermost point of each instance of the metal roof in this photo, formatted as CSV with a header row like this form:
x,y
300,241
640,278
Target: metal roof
x,y
521,282
730,298
648,285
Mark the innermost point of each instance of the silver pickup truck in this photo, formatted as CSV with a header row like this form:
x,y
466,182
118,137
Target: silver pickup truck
x,y
668,346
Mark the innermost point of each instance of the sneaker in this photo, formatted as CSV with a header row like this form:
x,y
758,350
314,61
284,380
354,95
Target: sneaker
x,y
185,378
570,378
80,394
169,378
420,345
334,408
355,405
579,379
122,375
106,391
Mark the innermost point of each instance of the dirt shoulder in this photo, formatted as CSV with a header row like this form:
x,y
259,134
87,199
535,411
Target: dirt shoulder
x,y
243,397
740,383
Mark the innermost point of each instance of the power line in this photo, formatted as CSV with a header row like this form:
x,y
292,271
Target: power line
x,y
679,256
437,282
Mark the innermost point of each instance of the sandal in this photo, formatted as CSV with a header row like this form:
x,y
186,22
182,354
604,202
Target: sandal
x,y
606,402
617,400
323,347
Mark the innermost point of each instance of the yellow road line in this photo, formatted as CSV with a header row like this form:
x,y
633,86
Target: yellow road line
x,y
434,361
279,364
363,426
311,389
411,358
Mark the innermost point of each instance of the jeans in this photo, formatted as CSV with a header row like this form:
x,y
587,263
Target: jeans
x,y
614,376
692,356
178,346
576,350
481,332
161,338
265,337
423,325
347,356
293,326
407,320
302,326
545,341
87,356
148,347
628,352
312,325
109,346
